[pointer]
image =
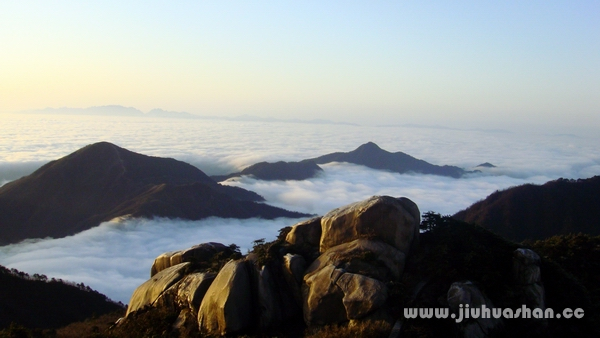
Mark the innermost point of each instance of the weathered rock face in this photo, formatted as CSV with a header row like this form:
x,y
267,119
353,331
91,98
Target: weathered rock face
x,y
186,321
306,232
184,297
193,287
306,236
188,292
227,305
371,258
528,277
294,266
333,295
323,298
148,293
200,252
392,220
268,300
362,295
526,267
293,273
276,303
363,245
161,262
465,293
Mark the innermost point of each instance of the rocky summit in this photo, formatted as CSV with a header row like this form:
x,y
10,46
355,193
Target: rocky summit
x,y
354,270
360,248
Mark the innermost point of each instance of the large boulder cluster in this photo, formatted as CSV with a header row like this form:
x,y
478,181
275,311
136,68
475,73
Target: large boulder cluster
x,y
328,269
334,269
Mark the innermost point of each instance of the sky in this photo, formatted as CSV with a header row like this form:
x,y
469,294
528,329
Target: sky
x,y
438,62
460,83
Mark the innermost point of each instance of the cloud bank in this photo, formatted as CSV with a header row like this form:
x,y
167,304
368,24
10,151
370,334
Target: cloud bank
x,y
114,258
344,183
221,147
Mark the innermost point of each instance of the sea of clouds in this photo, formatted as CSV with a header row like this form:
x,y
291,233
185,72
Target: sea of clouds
x,y
115,257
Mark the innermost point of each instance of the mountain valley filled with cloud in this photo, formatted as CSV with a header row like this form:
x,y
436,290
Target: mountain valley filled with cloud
x,y
114,257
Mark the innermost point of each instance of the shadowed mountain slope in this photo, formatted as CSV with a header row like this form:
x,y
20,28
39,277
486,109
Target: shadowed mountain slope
x,y
102,181
372,156
277,171
536,212
36,302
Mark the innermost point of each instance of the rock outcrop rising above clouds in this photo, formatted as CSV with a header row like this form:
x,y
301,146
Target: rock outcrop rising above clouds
x,y
363,280
346,282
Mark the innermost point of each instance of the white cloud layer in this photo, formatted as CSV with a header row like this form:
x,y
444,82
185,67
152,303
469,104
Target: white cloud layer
x,y
223,146
343,183
116,257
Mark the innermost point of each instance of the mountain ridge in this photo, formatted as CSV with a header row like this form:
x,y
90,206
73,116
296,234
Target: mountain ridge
x,y
281,170
36,302
368,154
372,156
118,110
534,212
102,181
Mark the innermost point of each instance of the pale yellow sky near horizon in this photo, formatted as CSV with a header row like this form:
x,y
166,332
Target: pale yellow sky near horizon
x,y
378,62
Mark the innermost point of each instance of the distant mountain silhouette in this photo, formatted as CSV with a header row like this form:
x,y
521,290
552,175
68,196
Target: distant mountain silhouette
x,y
109,110
170,114
277,171
372,156
102,181
368,154
36,302
486,165
536,212
119,111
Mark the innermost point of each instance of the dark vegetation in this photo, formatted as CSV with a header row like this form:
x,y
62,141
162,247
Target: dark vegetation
x,y
216,261
277,171
366,329
95,326
452,250
579,256
103,181
38,302
535,212
271,252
